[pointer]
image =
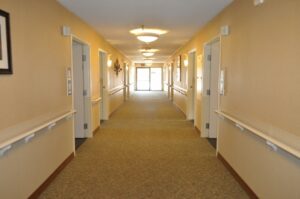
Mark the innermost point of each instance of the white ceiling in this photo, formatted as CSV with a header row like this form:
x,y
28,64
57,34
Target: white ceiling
x,y
113,19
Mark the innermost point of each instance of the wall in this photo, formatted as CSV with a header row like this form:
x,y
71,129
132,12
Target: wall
x,y
38,86
180,80
262,77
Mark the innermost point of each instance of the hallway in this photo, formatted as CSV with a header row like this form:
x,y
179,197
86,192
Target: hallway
x,y
146,150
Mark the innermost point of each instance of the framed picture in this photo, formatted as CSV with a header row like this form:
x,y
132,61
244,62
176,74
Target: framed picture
x,y
178,69
5,46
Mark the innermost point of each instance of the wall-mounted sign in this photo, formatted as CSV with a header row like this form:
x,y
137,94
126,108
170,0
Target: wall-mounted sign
x,y
69,81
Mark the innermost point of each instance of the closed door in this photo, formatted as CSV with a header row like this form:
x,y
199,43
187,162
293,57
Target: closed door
x,y
143,79
78,89
214,95
156,79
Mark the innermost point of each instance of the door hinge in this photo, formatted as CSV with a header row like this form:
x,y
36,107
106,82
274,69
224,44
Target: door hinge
x,y
85,126
83,57
208,92
84,92
209,57
207,125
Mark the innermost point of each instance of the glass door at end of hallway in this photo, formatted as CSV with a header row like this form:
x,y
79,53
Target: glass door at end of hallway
x,y
149,79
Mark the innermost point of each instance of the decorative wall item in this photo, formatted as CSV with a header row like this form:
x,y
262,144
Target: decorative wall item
x,y
5,46
178,68
117,67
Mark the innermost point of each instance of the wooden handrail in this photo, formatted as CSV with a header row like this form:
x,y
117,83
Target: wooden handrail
x,y
27,135
270,141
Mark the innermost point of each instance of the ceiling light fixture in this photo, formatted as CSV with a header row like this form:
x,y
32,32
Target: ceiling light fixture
x,y
149,50
148,54
148,62
147,38
147,35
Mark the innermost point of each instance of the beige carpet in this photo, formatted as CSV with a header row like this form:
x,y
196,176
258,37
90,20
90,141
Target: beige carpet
x,y
146,150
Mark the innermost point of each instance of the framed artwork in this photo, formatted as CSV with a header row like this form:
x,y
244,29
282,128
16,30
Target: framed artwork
x,y
178,69
5,45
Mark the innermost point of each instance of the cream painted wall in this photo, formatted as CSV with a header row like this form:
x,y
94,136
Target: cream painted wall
x,y
38,87
262,79
41,55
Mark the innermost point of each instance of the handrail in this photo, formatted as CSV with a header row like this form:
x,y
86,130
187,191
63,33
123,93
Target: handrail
x,y
270,141
180,90
30,134
116,89
95,101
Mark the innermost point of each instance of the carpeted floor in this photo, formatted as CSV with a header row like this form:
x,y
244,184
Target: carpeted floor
x,y
146,150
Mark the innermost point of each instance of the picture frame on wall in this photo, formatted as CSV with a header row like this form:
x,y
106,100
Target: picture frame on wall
x,y
178,69
5,44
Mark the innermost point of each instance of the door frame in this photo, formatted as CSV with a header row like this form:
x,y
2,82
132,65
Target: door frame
x,y
87,84
206,84
192,86
103,69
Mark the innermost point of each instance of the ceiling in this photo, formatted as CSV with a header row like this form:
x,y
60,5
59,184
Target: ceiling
x,y
113,19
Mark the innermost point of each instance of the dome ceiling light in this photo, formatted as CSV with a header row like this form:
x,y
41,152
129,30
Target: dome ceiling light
x,y
148,52
147,35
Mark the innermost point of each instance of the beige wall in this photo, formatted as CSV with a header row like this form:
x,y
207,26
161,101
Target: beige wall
x,y
262,79
40,56
38,87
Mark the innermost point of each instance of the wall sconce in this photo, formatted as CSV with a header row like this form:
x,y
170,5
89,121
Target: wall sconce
x,y
186,62
117,67
109,63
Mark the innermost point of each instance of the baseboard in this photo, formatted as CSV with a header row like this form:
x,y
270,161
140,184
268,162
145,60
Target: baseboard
x,y
243,184
47,182
95,131
179,108
198,130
